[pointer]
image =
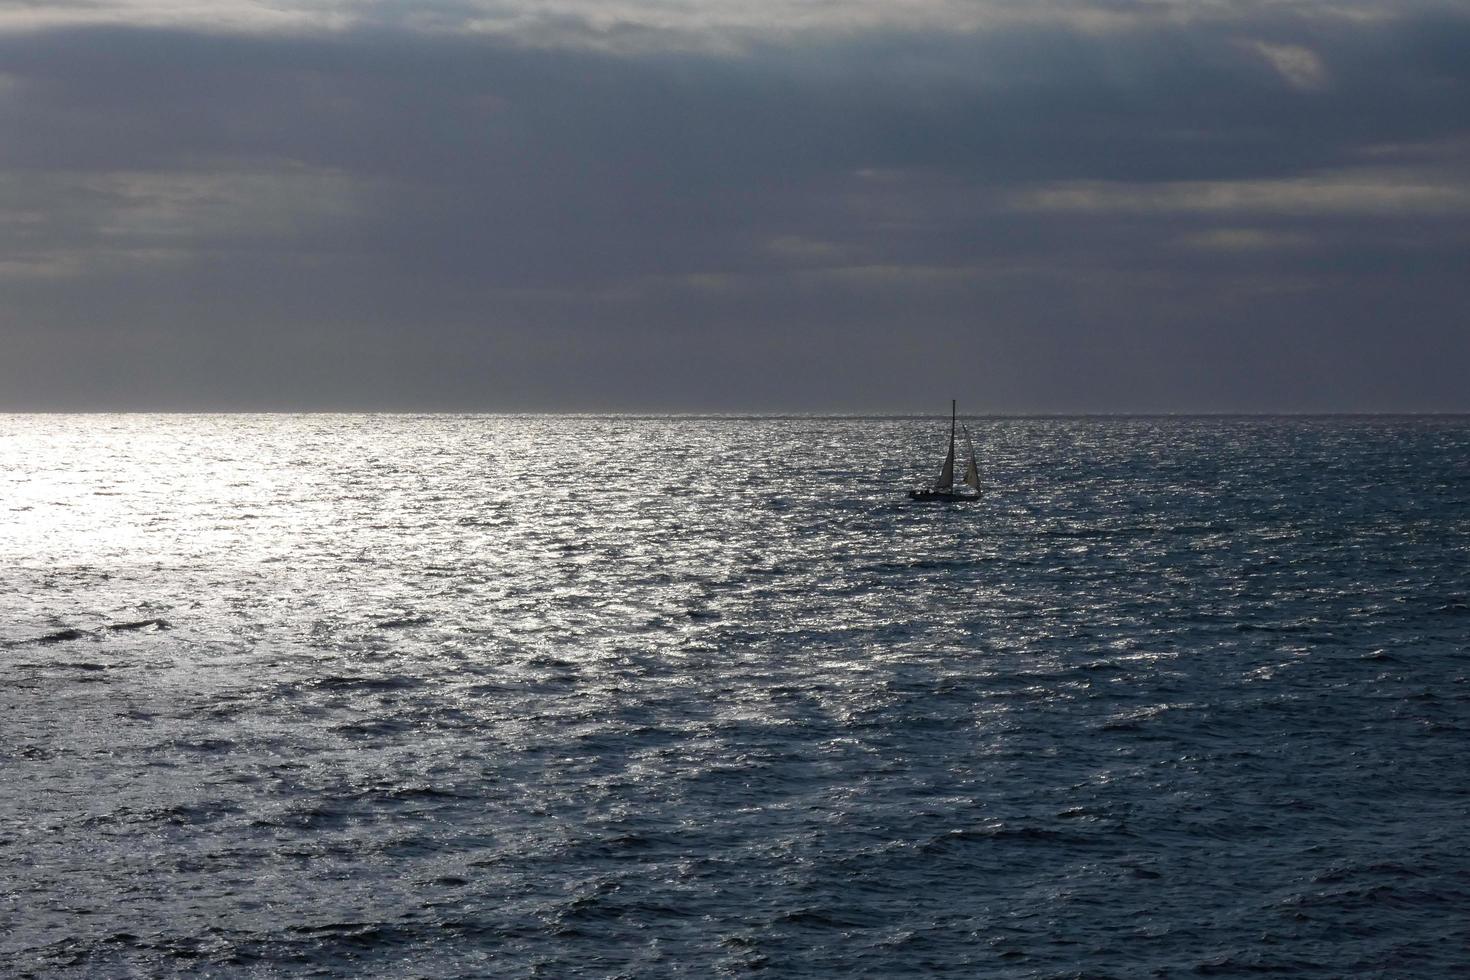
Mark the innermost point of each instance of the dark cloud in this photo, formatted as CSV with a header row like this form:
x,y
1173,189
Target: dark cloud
x,y
1262,213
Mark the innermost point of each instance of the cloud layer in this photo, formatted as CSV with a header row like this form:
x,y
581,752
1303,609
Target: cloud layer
x,y
1039,207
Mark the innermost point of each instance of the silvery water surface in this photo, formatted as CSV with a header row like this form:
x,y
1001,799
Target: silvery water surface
x,y
687,697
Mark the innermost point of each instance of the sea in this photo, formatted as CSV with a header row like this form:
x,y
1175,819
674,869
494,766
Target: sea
x,y
613,696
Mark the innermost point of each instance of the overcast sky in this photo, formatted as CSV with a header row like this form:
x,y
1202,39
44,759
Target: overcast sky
x,y
769,205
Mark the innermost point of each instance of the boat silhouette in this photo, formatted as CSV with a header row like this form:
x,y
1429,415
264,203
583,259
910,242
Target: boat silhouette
x,y
943,489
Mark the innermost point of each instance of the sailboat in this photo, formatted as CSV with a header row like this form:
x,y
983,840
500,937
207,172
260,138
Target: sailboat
x,y
943,488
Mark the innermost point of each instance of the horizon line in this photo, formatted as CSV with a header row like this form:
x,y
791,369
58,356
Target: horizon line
x,y
745,413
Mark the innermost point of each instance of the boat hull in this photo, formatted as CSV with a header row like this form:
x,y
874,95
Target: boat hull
x,y
942,496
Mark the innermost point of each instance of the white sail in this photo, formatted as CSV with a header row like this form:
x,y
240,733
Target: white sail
x,y
946,473
972,472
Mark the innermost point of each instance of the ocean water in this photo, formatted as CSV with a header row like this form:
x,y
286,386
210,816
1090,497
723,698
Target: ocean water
x,y
440,696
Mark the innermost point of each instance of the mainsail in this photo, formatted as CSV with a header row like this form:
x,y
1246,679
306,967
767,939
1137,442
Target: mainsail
x,y
946,472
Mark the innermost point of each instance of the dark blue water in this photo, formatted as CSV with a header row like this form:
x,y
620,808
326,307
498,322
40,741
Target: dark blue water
x,y
561,697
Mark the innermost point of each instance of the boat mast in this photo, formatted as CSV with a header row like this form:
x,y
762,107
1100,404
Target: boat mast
x,y
951,427
946,472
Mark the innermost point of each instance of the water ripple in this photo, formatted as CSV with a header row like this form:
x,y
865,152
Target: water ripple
x,y
690,697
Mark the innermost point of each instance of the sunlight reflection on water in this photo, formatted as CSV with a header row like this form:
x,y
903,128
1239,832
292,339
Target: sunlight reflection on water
x,y
679,696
